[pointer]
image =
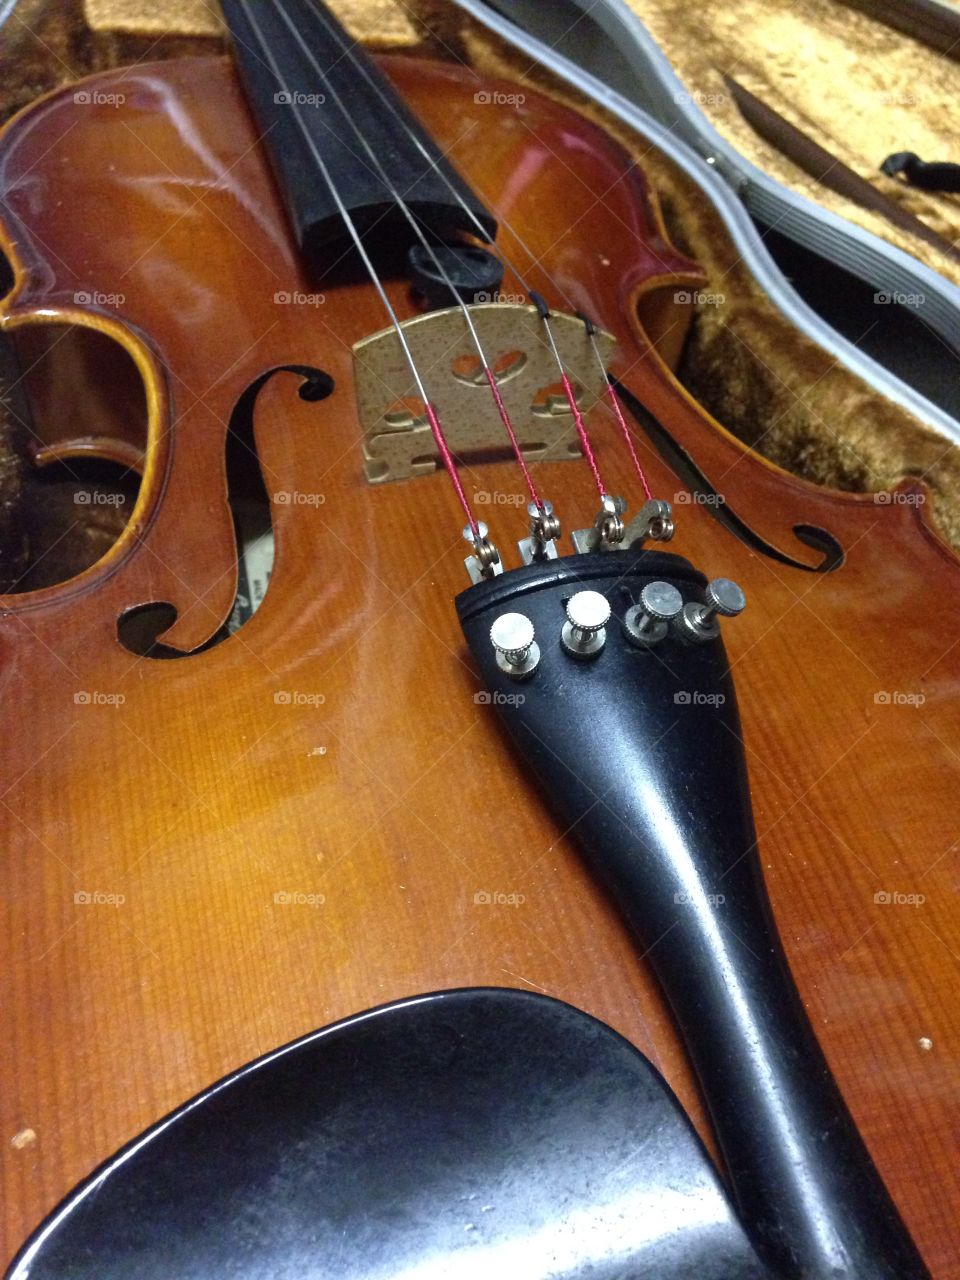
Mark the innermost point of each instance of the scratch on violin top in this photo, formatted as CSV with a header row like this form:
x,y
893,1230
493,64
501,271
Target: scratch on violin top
x,y
521,978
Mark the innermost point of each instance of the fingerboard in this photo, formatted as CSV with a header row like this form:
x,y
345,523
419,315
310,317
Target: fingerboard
x,y
314,92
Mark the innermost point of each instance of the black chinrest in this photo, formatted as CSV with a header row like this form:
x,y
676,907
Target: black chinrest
x,y
471,1134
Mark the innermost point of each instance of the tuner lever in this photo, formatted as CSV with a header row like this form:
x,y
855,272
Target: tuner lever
x,y
544,531
512,636
646,623
724,598
584,633
486,563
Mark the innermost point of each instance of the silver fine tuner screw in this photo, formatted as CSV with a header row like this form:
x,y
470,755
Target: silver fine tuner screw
x,y
584,633
518,653
543,523
724,598
646,623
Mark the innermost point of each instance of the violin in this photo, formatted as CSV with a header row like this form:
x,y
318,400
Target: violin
x,y
405,672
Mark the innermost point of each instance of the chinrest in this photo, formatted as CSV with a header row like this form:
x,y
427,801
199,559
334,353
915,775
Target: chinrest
x,y
468,1134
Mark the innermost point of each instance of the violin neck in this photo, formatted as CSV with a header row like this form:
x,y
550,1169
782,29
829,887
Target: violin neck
x,y
299,69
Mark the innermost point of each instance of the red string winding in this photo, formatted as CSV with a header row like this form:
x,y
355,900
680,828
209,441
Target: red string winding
x,y
505,419
582,433
451,466
615,399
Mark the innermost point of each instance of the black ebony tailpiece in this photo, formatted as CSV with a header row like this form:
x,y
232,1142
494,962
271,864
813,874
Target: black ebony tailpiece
x,y
639,752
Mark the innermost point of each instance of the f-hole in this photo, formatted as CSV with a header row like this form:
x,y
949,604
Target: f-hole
x,y
684,467
73,430
138,628
7,277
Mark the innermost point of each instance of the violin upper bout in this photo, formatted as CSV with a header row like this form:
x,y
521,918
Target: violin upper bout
x,y
101,292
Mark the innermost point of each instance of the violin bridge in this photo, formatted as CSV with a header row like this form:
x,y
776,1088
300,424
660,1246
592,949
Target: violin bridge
x,y
397,441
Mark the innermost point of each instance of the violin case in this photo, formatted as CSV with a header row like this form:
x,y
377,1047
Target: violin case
x,y
796,112
755,354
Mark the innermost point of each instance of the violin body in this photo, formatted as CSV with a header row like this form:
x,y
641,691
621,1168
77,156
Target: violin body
x,y
211,854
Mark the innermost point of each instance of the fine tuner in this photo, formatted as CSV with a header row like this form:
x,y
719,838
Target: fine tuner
x,y
652,523
583,633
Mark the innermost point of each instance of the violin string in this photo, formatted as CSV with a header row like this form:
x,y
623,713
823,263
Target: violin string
x,y
432,416
624,429
569,391
578,418
360,67
418,231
